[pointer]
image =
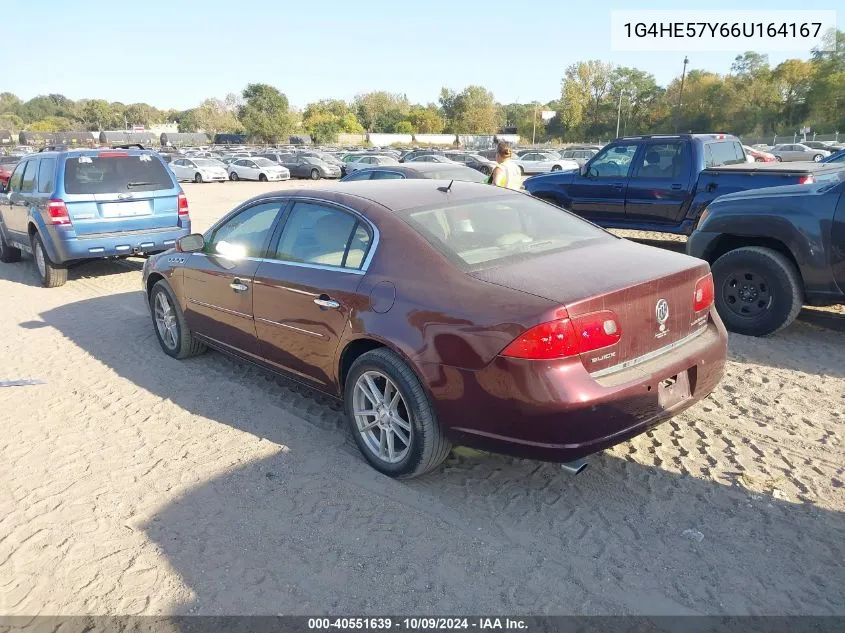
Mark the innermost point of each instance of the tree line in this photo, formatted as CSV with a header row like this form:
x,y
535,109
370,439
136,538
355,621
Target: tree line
x,y
752,98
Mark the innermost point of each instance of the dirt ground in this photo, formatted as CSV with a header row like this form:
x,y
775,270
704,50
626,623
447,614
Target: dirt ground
x,y
133,483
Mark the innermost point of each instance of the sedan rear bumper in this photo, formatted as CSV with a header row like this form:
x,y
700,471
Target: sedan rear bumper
x,y
556,411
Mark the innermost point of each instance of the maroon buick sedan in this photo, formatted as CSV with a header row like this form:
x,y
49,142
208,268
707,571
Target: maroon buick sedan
x,y
448,313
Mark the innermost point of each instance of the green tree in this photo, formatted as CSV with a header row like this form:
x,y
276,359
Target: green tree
x,y
10,121
426,120
52,124
9,103
404,127
471,111
97,114
380,111
793,79
265,114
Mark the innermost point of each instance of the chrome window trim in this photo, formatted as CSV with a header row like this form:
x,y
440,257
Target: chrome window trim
x,y
647,357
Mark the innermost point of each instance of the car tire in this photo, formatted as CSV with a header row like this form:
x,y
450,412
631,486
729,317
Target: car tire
x,y
262,177
426,447
778,159
556,167
51,276
754,273
8,254
315,174
817,158
198,178
759,160
522,170
233,176
177,341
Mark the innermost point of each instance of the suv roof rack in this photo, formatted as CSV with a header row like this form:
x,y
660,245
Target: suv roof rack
x,y
129,146
53,148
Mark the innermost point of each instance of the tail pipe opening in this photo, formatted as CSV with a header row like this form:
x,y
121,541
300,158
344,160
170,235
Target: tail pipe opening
x,y
574,467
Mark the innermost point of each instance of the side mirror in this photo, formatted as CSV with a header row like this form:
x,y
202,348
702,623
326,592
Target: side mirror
x,y
2,187
190,243
583,170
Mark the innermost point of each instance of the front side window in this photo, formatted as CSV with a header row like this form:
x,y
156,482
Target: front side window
x,y
246,234
29,176
320,234
387,175
614,162
492,230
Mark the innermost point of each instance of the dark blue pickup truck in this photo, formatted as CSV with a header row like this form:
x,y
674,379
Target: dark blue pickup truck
x,y
663,183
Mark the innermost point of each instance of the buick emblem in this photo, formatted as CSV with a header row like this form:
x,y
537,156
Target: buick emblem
x,y
661,311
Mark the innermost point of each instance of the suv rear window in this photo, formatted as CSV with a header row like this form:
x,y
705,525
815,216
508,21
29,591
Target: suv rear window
x,y
115,174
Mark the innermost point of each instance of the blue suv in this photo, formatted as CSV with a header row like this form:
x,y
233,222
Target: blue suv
x,y
65,207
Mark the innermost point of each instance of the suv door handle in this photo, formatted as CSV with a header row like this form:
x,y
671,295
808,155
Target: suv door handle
x,y
238,286
324,301
618,185
676,187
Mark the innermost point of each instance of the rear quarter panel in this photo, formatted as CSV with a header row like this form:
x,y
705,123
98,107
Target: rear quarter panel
x,y
800,220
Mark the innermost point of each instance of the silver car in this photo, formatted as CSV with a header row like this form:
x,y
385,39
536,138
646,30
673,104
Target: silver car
x,y
543,162
369,161
788,153
199,169
580,156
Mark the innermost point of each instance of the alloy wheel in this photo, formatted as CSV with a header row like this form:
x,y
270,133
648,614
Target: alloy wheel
x,y
165,318
40,261
382,417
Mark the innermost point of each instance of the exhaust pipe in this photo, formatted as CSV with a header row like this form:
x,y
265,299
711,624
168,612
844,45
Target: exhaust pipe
x,y
574,467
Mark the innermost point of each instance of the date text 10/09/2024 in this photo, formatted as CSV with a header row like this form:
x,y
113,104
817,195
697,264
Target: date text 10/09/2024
x,y
722,29
416,624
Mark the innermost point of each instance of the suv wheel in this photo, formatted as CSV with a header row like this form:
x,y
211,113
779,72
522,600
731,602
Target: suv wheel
x,y
198,178
8,254
391,418
51,275
173,334
758,290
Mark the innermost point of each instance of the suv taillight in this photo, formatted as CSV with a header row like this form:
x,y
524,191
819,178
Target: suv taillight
x,y
806,180
702,298
183,206
57,210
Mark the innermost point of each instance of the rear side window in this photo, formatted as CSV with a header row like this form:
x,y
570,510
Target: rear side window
x,y
29,176
46,175
387,175
720,153
115,174
17,178
317,234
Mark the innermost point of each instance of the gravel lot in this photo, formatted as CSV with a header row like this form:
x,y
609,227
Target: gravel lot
x,y
133,483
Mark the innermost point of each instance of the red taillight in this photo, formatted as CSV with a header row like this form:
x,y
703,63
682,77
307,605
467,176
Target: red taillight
x,y
702,298
57,211
806,180
183,206
597,330
566,337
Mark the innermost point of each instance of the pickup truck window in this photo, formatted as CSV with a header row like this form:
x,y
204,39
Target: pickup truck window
x,y
720,153
614,162
664,160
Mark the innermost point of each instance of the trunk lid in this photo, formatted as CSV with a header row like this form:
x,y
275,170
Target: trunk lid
x,y
627,278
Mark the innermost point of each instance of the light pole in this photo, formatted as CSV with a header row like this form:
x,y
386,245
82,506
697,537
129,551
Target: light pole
x,y
681,93
619,111
534,126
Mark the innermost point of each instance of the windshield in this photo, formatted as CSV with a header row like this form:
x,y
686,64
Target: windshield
x,y
115,174
455,172
206,162
491,230
263,162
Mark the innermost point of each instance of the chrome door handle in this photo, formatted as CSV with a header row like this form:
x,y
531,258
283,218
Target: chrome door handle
x,y
327,303
238,286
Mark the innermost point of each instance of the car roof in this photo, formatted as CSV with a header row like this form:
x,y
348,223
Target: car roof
x,y
397,195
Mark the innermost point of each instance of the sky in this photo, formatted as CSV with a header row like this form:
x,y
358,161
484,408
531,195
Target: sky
x,y
175,53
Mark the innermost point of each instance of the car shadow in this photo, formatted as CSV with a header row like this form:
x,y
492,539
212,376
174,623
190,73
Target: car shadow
x,y
669,523
24,271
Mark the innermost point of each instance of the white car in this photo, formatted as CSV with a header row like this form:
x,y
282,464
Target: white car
x,y
257,169
544,162
199,169
430,158
369,161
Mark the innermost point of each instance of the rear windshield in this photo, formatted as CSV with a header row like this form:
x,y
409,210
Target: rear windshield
x,y
460,173
488,231
720,153
115,174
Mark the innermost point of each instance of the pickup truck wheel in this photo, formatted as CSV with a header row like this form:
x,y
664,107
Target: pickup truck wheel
x,y
8,254
758,290
51,275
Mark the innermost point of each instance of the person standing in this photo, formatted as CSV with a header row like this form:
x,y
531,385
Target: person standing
x,y
507,173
